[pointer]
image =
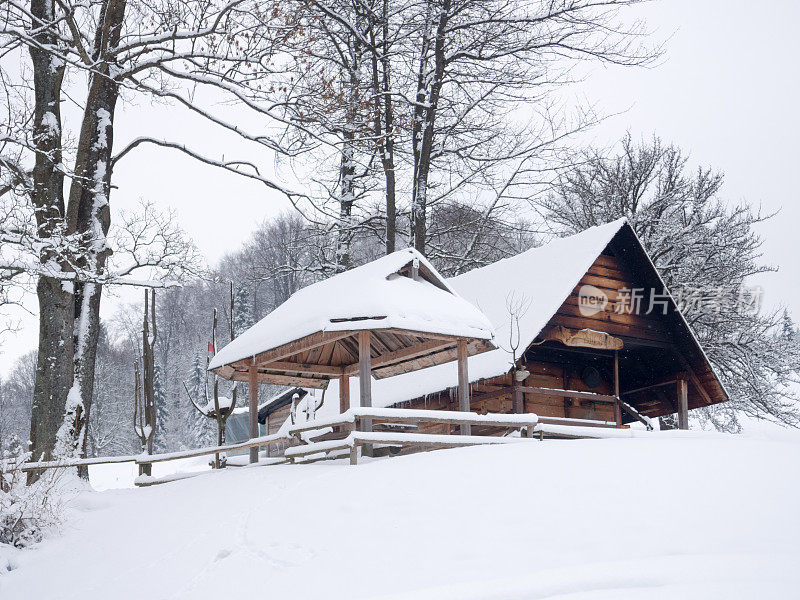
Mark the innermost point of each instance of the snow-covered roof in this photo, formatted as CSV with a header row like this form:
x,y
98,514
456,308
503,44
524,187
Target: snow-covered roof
x,y
373,296
275,402
539,280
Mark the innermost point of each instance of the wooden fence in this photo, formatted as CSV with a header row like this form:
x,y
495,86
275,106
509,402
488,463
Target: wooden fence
x,y
356,428
145,459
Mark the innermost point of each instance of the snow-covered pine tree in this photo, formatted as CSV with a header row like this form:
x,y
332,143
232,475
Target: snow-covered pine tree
x,y
162,411
789,329
243,311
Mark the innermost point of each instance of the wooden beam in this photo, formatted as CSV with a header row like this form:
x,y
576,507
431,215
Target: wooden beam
x,y
304,344
446,354
683,404
344,393
553,393
293,367
252,386
282,380
463,383
617,407
695,380
365,380
491,395
409,353
650,387
422,334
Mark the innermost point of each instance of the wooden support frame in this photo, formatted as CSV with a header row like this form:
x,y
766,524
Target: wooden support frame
x,y
617,405
312,369
463,383
278,379
683,404
307,343
344,393
695,380
252,385
365,380
405,354
553,393
517,397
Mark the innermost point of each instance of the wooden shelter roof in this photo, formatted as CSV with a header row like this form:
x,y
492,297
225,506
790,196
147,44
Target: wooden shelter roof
x,y
414,316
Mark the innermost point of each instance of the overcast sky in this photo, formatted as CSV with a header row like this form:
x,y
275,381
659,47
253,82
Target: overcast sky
x,y
726,91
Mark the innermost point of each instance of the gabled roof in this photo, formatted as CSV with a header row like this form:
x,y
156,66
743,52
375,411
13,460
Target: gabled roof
x,y
540,280
376,296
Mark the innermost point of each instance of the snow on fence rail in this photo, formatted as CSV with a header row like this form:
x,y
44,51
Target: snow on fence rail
x,y
357,425
357,438
144,459
402,415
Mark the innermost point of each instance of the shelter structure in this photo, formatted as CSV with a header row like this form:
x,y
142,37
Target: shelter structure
x,y
392,316
586,330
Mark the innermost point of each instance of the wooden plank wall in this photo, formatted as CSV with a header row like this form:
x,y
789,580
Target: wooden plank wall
x,y
608,275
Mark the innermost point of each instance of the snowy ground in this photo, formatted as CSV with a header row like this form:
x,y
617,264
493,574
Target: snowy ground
x,y
710,516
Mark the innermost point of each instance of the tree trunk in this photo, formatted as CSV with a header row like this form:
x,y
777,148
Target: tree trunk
x,y
54,362
429,86
88,214
384,119
348,165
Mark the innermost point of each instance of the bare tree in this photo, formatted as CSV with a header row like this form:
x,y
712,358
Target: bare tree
x,y
477,60
160,49
144,412
215,409
706,251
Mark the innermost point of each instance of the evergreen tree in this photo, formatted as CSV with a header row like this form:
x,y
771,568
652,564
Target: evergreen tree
x,y
789,330
162,411
243,311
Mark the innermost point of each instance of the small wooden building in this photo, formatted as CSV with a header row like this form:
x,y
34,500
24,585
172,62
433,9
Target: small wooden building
x,y
392,316
597,337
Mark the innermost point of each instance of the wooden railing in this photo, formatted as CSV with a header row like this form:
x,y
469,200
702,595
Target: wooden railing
x,y
147,459
355,428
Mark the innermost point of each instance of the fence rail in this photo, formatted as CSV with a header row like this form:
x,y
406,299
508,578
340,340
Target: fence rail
x,y
144,459
356,430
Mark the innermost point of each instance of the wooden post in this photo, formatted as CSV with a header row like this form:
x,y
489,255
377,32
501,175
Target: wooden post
x,y
266,432
354,454
683,404
463,383
365,381
252,384
344,394
617,407
518,400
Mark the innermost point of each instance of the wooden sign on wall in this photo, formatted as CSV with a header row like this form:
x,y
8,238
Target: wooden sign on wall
x,y
585,338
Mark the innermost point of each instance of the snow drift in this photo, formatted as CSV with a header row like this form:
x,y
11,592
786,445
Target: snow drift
x,y
703,516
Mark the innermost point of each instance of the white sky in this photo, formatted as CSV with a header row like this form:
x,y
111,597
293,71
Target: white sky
x,y
726,91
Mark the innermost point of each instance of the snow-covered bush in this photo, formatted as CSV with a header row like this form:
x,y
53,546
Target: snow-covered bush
x,y
27,512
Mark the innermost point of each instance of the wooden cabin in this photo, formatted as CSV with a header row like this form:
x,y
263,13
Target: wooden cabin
x,y
571,341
